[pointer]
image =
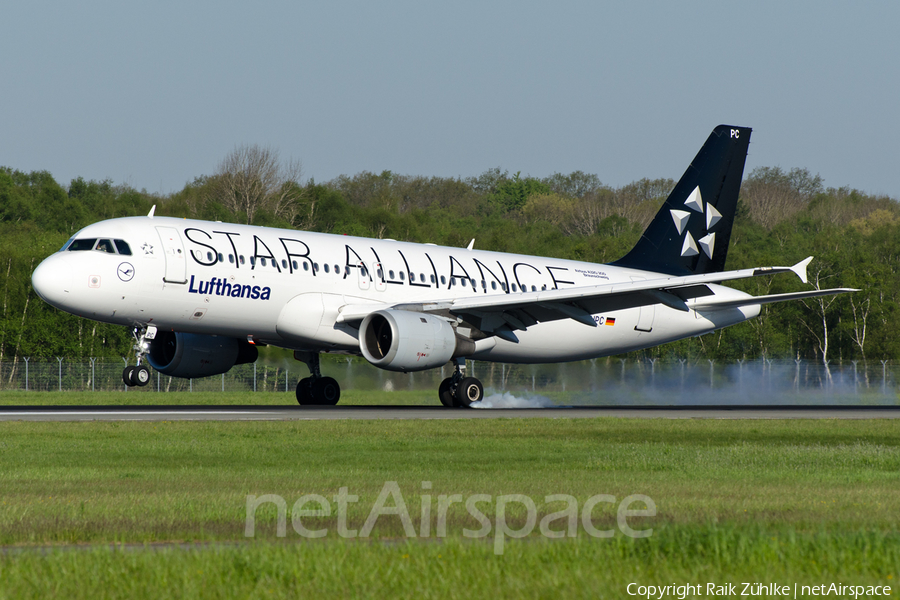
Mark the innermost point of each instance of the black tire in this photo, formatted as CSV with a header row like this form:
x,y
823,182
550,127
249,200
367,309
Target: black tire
x,y
445,393
326,391
304,393
140,376
128,376
469,390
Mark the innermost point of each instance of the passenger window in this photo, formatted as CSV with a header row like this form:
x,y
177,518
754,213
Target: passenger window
x,y
452,282
533,288
78,245
412,276
231,258
220,257
463,281
315,267
337,269
402,276
390,274
283,264
432,278
326,267
380,274
443,280
493,285
106,246
242,258
253,261
305,266
209,256
294,264
122,247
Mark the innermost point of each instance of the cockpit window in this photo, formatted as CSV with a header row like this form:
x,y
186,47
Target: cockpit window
x,y
84,244
106,246
101,245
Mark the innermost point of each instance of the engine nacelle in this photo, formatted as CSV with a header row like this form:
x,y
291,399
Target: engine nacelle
x,y
192,355
401,340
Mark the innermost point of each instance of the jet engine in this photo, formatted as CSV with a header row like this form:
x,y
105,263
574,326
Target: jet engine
x,y
191,355
400,340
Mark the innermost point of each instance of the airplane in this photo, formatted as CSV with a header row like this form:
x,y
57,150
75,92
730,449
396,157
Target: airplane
x,y
201,296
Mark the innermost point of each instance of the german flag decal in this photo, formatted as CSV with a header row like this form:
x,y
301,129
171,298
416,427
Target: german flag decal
x,y
610,321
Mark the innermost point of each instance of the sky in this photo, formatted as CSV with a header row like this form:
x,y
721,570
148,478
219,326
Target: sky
x,y
154,94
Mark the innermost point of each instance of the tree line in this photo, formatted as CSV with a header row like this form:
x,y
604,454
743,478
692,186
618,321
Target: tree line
x,y
783,216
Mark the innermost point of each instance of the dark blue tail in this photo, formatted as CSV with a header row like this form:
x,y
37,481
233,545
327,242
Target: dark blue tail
x,y
691,231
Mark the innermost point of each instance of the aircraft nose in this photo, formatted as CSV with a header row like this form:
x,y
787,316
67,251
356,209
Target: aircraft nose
x,y
52,280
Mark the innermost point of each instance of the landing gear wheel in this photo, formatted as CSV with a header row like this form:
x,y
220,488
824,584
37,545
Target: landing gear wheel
x,y
304,393
323,391
469,390
140,376
445,393
315,389
127,376
326,391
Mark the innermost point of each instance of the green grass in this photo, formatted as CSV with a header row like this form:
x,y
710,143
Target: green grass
x,y
792,500
581,568
403,397
146,397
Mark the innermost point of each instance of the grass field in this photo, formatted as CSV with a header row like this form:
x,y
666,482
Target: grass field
x,y
787,501
426,397
348,397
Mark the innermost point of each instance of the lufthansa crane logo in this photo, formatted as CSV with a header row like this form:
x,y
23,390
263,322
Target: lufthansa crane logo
x,y
125,271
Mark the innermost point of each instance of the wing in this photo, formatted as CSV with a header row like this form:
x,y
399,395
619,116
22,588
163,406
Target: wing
x,y
502,314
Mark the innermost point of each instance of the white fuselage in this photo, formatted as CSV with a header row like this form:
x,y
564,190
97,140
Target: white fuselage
x,y
286,288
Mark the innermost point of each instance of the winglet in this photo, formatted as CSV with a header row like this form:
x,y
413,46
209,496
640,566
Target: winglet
x,y
471,244
152,210
800,268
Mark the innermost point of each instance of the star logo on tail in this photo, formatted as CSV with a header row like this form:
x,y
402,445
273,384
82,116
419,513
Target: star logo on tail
x,y
681,218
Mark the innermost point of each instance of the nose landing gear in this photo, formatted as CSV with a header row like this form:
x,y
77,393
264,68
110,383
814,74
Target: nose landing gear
x,y
316,390
139,375
136,376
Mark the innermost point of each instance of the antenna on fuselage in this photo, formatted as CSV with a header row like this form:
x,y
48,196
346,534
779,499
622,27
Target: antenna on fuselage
x,y
471,244
152,210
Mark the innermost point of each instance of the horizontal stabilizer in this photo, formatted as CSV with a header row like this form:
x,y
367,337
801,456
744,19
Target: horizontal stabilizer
x,y
756,300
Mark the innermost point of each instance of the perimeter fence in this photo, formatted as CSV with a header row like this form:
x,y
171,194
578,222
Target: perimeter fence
x,y
606,381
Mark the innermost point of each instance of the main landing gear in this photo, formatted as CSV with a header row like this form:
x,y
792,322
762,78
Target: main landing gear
x,y
315,389
139,375
459,390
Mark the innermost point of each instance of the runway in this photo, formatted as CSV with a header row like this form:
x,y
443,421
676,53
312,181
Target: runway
x,y
320,413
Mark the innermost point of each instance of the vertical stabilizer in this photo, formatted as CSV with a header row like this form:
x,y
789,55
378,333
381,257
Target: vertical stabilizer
x,y
691,232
